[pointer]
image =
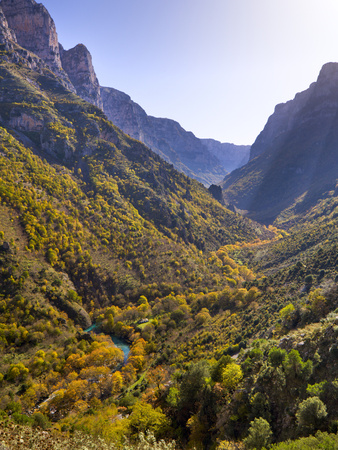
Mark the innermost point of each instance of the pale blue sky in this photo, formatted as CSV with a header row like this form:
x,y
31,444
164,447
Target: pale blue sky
x,y
218,67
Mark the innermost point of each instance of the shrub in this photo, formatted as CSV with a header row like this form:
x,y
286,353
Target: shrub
x,y
41,421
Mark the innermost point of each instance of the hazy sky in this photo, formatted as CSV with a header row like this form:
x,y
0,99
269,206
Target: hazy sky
x,y
218,67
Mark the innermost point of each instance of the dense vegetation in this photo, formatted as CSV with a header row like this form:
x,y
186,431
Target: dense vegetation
x,y
232,327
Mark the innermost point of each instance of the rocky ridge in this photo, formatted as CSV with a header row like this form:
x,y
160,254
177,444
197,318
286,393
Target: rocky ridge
x,y
195,157
29,26
230,155
35,31
7,36
293,161
77,62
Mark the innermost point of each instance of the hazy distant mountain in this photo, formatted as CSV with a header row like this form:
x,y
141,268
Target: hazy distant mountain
x,y
294,160
35,30
231,156
206,160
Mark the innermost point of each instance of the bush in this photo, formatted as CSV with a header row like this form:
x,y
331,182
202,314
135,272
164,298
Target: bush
x,y
22,419
41,421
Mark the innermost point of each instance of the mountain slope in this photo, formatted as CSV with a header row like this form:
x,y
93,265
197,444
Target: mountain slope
x,y
133,184
294,159
35,30
231,156
226,322
164,136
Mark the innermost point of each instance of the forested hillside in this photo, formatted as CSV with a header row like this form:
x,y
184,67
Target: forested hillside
x,y
135,310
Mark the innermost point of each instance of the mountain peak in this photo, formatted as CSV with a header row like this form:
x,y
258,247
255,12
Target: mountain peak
x,y
77,62
294,159
34,29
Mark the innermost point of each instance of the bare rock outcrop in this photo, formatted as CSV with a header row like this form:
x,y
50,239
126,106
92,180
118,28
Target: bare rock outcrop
x,y
77,62
35,31
7,36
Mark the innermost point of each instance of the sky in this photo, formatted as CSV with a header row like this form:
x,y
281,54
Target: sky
x,y
219,67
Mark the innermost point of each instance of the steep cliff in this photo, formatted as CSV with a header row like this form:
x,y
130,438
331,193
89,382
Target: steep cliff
x,y
34,29
230,155
294,159
7,36
77,62
164,136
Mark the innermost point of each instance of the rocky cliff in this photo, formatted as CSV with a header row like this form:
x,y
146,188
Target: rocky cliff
x,y
30,24
35,31
164,136
77,62
230,155
7,36
195,157
294,160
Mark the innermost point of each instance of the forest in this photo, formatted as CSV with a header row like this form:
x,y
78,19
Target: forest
x,y
229,326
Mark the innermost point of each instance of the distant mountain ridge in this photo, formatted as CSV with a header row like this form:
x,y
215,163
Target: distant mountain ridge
x,y
294,161
230,155
35,30
165,137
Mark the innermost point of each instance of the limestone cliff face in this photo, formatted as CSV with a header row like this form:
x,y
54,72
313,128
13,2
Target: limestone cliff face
x,y
7,36
230,155
294,160
319,100
164,136
77,62
35,31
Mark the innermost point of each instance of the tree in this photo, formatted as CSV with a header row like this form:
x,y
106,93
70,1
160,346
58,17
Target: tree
x,y
259,434
276,356
217,369
203,316
145,418
311,413
191,388
286,312
295,367
231,375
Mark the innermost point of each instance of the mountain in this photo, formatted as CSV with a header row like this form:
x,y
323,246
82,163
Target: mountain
x,y
77,62
230,155
230,328
205,160
35,31
293,162
141,195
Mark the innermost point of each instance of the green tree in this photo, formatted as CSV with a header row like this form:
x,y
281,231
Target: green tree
x,y
277,356
259,434
191,388
311,413
217,369
295,367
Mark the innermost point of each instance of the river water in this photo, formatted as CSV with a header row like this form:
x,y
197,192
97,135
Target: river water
x,y
120,343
